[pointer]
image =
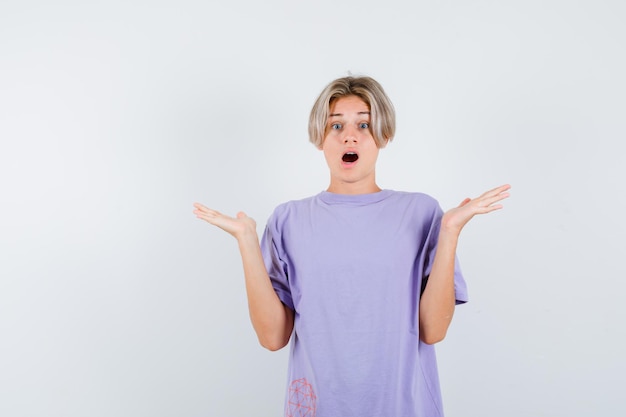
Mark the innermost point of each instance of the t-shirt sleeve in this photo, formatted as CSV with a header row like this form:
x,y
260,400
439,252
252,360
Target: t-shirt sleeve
x,y
277,267
460,287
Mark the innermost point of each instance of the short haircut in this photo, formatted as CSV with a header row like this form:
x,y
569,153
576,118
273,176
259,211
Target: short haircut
x,y
382,117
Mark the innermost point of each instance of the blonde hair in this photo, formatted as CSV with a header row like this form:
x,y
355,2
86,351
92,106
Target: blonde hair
x,y
383,114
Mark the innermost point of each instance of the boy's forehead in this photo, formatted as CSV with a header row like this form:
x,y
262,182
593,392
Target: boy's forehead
x,y
348,105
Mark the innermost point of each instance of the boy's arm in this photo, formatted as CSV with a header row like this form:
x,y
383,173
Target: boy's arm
x,y
438,299
271,319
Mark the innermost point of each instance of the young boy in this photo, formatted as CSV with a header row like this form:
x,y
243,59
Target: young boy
x,y
364,281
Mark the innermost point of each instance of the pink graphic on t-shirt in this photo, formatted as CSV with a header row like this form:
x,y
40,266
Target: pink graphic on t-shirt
x,y
301,401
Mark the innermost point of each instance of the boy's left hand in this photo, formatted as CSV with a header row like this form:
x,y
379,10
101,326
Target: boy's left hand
x,y
455,219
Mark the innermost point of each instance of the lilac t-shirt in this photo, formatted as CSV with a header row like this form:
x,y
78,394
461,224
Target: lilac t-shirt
x,y
351,267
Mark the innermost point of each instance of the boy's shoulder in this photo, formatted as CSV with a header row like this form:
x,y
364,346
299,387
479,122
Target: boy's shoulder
x,y
289,206
299,202
414,196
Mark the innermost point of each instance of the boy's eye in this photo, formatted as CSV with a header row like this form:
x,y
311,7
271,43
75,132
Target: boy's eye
x,y
364,125
335,126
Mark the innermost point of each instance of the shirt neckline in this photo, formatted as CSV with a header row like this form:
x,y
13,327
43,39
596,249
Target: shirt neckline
x,y
356,199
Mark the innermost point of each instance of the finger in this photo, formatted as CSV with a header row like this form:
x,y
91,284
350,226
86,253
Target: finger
x,y
209,212
209,215
498,197
221,221
497,190
205,216
202,213
487,205
491,196
201,207
487,201
492,192
494,207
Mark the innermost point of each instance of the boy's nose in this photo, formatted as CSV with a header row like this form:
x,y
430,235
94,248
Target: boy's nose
x,y
350,136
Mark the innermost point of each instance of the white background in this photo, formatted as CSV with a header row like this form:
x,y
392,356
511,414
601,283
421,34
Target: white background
x,y
116,116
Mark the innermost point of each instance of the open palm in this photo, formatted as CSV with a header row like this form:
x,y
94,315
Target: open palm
x,y
236,226
455,219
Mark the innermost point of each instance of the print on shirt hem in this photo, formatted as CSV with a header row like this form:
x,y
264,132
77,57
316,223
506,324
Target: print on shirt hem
x,y
301,401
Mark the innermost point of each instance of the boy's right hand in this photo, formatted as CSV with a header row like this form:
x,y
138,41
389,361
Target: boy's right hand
x,y
239,226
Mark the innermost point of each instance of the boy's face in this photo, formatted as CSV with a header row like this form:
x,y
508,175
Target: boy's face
x,y
349,147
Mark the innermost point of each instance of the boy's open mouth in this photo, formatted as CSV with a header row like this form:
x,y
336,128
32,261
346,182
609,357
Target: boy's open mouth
x,y
349,157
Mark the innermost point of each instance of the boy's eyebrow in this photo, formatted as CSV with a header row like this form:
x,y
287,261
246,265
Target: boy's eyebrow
x,y
341,114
